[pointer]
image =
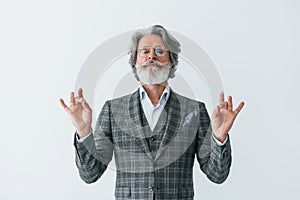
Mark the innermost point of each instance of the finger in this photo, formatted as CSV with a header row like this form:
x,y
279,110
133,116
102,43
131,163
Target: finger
x,y
218,109
78,100
223,105
72,99
62,103
80,93
239,108
229,103
221,97
86,106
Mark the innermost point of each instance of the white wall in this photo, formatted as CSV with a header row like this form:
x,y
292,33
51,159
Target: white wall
x,y
43,44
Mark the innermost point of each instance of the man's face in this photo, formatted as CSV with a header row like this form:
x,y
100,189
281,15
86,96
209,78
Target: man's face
x,y
152,63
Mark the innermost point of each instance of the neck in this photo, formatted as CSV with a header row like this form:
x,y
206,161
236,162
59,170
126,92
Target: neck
x,y
154,91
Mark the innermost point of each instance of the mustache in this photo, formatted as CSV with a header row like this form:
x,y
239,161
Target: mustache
x,y
155,62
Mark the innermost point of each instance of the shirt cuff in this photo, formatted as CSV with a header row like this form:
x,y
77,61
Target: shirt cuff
x,y
80,140
218,142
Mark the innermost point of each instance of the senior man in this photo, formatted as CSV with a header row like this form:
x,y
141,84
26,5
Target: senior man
x,y
153,133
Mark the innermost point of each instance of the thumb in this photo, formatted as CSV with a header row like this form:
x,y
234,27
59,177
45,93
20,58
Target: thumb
x,y
217,111
86,106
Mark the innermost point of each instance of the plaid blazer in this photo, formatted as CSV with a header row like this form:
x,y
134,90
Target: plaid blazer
x,y
144,172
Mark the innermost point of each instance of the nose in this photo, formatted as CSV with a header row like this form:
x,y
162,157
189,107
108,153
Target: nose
x,y
152,55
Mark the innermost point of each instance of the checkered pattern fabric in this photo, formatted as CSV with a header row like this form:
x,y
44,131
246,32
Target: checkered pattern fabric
x,y
154,164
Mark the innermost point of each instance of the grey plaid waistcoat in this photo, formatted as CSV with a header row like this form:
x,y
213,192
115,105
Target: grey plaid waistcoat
x,y
154,164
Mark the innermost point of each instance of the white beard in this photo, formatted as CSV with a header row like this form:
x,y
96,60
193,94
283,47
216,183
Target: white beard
x,y
154,74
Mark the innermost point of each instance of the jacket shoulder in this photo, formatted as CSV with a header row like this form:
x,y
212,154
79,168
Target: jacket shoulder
x,y
123,101
185,99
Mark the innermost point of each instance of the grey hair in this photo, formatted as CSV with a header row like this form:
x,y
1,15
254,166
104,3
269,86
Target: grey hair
x,y
170,43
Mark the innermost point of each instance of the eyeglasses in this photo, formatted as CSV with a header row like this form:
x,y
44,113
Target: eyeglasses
x,y
159,51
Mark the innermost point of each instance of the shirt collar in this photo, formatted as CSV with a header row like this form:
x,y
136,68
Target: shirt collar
x,y
164,97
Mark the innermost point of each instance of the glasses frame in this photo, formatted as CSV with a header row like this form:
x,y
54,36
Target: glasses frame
x,y
156,50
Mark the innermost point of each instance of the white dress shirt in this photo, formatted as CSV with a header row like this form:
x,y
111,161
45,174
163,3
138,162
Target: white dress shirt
x,y
153,112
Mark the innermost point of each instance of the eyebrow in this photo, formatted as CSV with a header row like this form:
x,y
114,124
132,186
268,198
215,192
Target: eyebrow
x,y
144,46
150,47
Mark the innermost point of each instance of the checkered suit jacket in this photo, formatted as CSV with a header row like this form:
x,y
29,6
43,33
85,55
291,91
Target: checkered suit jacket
x,y
154,164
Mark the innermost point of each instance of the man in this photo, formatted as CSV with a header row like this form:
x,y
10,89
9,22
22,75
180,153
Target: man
x,y
154,133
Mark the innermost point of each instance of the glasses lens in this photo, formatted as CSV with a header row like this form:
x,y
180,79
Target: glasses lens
x,y
160,51
144,52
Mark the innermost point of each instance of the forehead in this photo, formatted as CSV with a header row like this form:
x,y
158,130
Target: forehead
x,y
151,40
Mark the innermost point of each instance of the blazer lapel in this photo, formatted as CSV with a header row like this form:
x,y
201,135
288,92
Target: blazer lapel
x,y
141,126
172,110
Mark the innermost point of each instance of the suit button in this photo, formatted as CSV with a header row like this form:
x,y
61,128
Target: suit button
x,y
151,188
152,139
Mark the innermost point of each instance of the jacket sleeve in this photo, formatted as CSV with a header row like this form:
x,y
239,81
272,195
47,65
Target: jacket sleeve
x,y
214,160
95,152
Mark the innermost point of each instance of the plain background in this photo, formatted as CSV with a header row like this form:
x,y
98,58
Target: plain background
x,y
43,44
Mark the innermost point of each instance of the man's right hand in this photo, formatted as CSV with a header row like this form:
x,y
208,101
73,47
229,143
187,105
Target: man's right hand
x,y
79,112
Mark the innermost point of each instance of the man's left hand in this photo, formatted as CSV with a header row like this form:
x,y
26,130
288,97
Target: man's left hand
x,y
223,117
